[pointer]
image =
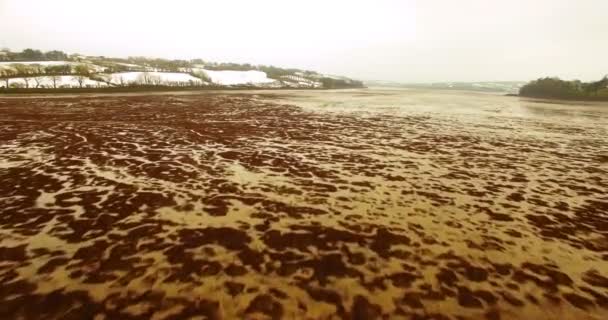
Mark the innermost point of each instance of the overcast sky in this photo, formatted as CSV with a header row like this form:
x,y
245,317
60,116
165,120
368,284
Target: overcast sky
x,y
399,40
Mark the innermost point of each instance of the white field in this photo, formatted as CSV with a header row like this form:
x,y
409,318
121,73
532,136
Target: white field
x,y
230,77
154,77
47,82
43,63
8,64
165,78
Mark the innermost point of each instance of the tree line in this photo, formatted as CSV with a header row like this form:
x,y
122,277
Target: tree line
x,y
331,83
24,70
32,73
35,55
562,89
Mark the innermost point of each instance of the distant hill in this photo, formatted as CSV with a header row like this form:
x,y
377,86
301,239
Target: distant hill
x,y
493,86
34,69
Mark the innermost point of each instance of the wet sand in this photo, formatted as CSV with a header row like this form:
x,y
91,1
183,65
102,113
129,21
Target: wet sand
x,y
355,204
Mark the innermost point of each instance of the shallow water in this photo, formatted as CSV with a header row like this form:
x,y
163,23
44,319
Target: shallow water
x,y
303,204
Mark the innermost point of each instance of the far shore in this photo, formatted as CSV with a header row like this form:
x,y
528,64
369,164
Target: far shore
x,y
147,89
569,100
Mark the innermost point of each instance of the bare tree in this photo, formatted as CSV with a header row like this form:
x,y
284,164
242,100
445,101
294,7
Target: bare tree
x,y
23,70
80,79
156,80
145,78
6,74
54,79
26,80
107,78
82,73
37,80
141,78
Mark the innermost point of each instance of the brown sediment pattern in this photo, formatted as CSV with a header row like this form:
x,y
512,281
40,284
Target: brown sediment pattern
x,y
247,206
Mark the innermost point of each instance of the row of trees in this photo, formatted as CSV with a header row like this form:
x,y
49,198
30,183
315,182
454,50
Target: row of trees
x,y
38,82
271,71
143,79
163,65
16,70
34,55
331,83
561,89
36,73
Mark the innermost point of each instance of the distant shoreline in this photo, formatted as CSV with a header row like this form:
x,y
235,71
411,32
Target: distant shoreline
x,y
572,99
152,89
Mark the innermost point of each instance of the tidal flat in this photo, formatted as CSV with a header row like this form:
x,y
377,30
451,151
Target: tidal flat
x,y
350,204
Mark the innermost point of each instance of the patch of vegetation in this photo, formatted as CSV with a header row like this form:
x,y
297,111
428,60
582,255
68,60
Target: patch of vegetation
x,y
34,55
555,88
331,83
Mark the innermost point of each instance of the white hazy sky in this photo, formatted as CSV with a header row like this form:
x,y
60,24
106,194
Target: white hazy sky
x,y
399,40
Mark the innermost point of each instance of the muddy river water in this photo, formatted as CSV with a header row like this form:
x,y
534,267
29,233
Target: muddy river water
x,y
354,204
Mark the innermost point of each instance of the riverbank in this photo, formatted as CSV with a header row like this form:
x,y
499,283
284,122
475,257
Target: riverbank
x,y
569,99
557,100
144,89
